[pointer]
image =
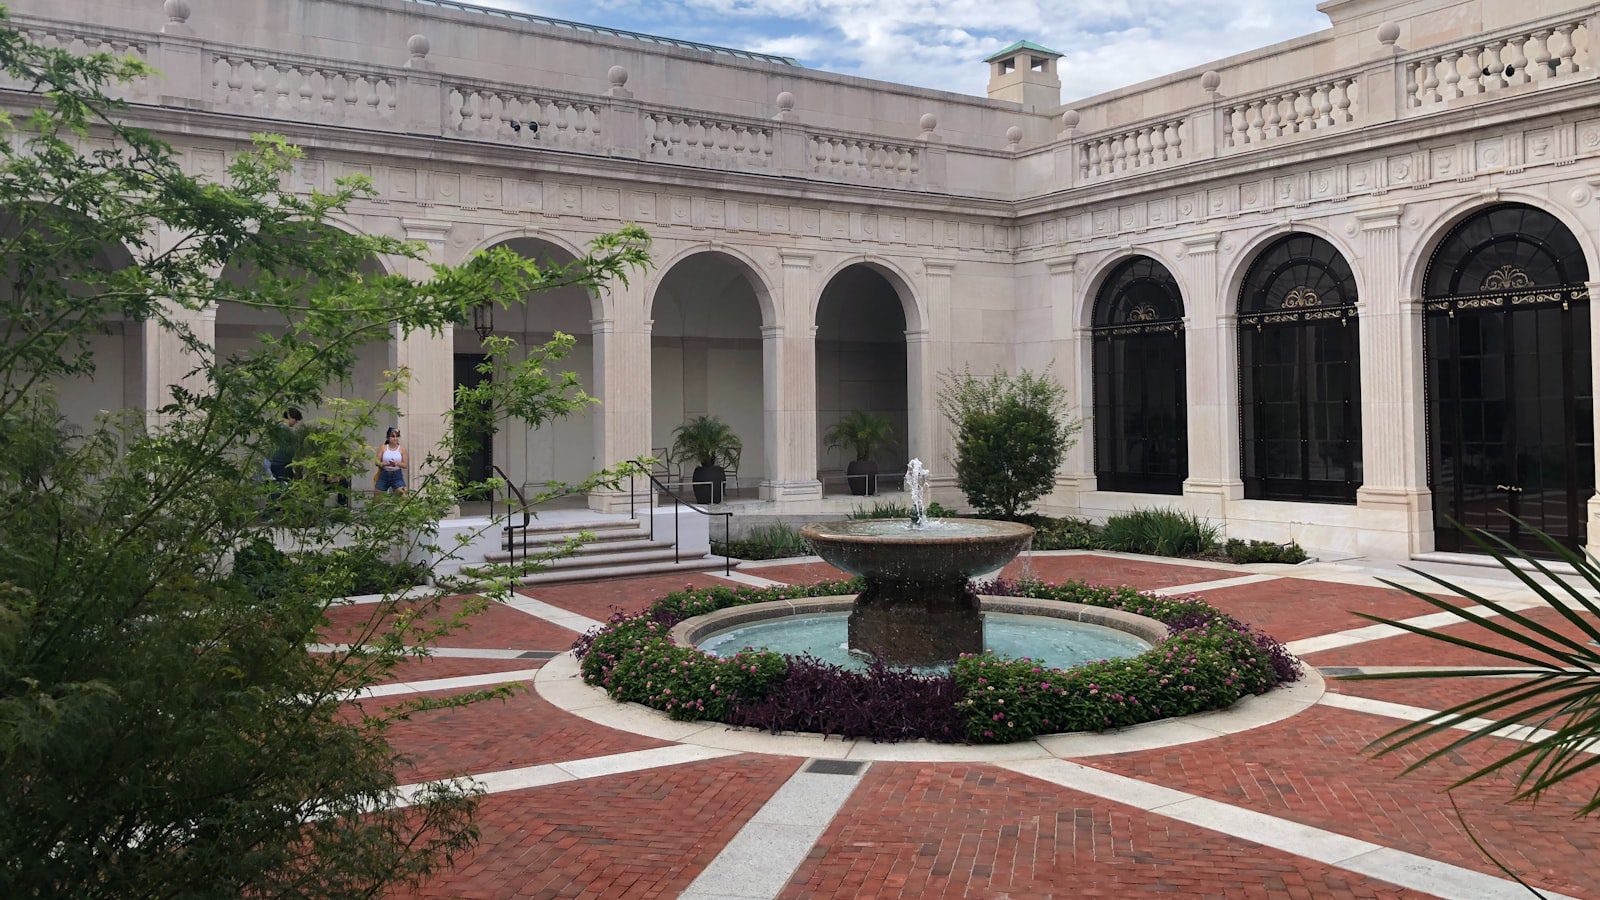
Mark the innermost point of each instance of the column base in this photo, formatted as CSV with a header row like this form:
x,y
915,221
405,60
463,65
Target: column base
x,y
791,490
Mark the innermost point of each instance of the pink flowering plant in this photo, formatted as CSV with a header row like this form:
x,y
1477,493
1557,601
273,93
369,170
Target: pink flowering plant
x,y
1209,662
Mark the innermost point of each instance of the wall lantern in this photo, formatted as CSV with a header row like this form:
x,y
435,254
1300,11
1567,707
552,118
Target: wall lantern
x,y
483,320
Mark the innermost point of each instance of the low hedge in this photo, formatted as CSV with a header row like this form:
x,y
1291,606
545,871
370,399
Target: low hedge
x,y
1210,661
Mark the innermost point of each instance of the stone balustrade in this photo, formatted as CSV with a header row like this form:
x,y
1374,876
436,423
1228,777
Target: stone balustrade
x,y
415,99
508,115
305,89
1548,53
1148,146
718,143
1317,106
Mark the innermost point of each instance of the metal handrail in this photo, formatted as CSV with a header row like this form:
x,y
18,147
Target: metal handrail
x,y
677,502
511,527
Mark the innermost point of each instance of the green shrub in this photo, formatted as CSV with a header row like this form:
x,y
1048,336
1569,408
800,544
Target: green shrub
x,y
1264,552
1012,432
1159,532
888,510
776,541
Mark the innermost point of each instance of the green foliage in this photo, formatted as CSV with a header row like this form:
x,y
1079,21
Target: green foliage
x,y
1061,534
1159,532
707,441
863,432
1264,552
775,541
884,509
1554,707
163,729
1011,434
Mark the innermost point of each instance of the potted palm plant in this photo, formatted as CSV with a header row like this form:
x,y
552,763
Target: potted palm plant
x,y
863,432
711,444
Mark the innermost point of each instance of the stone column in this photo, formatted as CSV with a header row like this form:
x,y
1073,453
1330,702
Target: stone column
x,y
789,412
168,362
1211,359
921,389
937,359
1074,361
1397,518
1593,543
428,359
622,382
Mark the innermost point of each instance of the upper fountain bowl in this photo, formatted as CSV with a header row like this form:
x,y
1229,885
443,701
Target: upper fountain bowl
x,y
892,550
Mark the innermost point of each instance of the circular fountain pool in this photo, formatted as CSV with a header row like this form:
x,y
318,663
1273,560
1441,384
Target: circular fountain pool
x,y
1052,642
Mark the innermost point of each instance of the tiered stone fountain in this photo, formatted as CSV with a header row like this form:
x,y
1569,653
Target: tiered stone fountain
x,y
918,608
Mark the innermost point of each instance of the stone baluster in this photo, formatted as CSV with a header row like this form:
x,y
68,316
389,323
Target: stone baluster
x,y
352,96
329,93
235,79
1291,117
1324,111
258,86
1568,50
1430,81
486,113
1516,60
1239,116
1472,83
1495,77
304,94
1538,52
1342,101
1452,76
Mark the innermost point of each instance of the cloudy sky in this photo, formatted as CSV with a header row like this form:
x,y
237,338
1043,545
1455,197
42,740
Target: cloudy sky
x,y
939,43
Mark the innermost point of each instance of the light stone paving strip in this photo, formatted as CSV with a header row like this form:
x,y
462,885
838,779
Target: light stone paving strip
x,y
1417,714
1340,851
1375,632
748,580
758,863
574,770
555,615
1180,590
445,684
448,652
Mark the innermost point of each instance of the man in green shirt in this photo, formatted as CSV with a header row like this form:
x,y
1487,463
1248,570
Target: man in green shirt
x,y
286,438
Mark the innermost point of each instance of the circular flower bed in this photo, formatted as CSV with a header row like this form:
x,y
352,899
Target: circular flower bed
x,y
1209,662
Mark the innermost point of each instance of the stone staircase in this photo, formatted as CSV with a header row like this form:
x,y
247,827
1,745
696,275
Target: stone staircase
x,y
618,547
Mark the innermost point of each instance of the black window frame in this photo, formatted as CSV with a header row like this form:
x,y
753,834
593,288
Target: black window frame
x,y
1138,307
1298,298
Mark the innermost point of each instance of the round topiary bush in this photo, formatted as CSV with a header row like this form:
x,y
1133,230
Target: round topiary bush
x,y
1209,662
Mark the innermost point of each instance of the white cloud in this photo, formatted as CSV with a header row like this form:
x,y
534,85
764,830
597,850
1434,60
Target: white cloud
x,y
940,43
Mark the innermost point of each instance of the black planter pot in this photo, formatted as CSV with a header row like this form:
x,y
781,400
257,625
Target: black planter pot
x,y
712,492
862,476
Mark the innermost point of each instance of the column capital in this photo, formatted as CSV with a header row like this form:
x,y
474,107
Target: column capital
x,y
1380,219
796,259
1202,245
602,326
771,332
427,230
939,269
1066,265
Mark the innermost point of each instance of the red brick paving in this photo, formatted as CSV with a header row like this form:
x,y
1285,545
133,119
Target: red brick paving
x,y
644,834
1312,768
491,735
929,830
599,599
1112,570
429,668
1293,608
1415,649
497,627
799,573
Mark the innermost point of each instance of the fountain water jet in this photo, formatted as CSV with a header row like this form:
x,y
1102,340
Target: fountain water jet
x,y
918,608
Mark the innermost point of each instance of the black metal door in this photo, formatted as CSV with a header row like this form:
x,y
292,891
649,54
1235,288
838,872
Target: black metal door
x,y
1511,421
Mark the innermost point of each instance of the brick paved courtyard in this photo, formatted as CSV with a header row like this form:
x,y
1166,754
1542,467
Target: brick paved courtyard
x,y
1295,808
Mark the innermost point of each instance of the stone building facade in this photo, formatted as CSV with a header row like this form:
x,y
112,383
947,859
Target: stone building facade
x,y
1333,290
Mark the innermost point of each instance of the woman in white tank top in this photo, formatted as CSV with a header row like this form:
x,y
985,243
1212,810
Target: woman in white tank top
x,y
391,463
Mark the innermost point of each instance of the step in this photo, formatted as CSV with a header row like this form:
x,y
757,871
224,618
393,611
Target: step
x,y
699,564
630,547
610,535
1485,561
598,526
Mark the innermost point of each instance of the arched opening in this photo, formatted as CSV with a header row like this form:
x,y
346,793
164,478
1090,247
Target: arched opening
x,y
112,378
1510,390
1300,374
240,329
1141,441
861,368
559,452
706,359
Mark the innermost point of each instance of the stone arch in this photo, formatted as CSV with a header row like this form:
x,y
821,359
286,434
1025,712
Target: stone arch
x,y
1096,275
1244,257
1414,267
738,258
598,302
912,303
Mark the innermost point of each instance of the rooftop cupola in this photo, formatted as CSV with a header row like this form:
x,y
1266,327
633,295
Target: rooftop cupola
x,y
1025,73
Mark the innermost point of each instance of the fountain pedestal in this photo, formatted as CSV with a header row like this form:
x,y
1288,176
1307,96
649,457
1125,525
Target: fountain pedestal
x,y
918,608
917,623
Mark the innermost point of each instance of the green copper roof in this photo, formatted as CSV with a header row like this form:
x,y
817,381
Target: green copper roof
x,y
1030,46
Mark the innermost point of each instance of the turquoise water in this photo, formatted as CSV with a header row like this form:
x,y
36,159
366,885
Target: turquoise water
x,y
1057,643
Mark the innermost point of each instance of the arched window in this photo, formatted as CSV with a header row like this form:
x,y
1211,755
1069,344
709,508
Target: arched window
x,y
1300,374
1510,390
1140,424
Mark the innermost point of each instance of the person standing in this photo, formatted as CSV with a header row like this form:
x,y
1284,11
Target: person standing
x,y
286,438
392,463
